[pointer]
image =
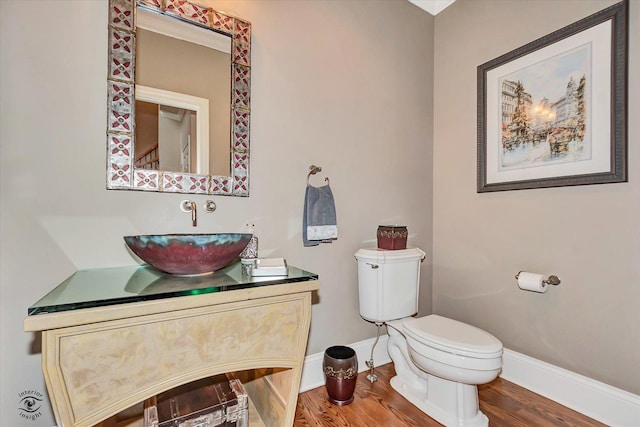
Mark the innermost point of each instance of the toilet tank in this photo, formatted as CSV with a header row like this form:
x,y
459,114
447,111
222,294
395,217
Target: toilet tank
x,y
388,283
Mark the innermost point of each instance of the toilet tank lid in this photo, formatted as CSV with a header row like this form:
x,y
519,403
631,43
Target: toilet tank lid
x,y
381,256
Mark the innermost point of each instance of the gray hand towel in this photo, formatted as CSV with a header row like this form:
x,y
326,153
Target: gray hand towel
x,y
319,223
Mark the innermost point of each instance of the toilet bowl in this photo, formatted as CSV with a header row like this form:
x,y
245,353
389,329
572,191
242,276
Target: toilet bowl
x,y
453,350
439,362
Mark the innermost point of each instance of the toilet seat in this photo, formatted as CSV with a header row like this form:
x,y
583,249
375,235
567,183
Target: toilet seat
x,y
453,337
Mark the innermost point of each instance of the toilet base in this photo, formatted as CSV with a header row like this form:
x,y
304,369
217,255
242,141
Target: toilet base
x,y
450,403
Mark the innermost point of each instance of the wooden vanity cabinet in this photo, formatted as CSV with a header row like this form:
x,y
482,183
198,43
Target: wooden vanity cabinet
x,y
102,357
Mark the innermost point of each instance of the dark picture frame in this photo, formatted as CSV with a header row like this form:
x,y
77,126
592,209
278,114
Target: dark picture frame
x,y
543,116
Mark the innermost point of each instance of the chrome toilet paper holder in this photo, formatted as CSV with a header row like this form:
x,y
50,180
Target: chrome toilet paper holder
x,y
551,280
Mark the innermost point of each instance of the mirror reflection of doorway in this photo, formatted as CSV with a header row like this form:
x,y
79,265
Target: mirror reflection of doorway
x,y
166,121
165,137
146,144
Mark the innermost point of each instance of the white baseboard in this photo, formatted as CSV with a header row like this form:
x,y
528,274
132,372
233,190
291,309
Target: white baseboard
x,y
602,402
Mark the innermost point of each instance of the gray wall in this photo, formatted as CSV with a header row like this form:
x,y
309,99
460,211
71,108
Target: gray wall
x,y
350,89
334,84
589,236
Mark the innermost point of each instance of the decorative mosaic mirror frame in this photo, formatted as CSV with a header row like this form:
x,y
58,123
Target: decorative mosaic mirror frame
x,y
121,173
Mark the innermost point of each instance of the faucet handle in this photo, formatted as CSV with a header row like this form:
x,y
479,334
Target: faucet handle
x,y
210,206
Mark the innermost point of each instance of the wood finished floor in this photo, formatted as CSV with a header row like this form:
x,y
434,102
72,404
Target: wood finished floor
x,y
377,404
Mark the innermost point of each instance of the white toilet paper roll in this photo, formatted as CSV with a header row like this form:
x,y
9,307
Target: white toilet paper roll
x,y
531,282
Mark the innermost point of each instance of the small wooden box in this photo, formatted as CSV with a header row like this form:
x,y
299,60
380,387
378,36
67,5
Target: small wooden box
x,y
215,401
392,237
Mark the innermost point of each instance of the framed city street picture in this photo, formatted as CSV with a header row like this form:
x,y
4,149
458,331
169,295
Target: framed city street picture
x,y
554,112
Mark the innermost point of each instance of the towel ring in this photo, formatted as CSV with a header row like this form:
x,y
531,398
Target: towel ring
x,y
313,169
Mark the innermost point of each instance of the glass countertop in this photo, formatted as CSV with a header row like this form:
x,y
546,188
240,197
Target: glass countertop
x,y
120,285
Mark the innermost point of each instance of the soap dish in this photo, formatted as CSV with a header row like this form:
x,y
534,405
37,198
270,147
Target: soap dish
x,y
270,267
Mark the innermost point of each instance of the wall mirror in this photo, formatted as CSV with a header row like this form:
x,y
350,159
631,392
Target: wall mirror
x,y
178,98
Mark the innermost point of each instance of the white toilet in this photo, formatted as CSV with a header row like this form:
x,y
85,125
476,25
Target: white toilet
x,y
438,361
